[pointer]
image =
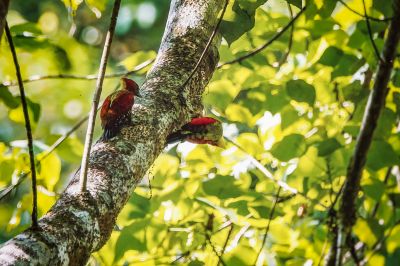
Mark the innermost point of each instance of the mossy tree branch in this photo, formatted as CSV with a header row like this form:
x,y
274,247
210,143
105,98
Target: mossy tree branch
x,y
81,223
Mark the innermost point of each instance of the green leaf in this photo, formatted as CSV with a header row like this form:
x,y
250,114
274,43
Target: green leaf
x,y
330,56
327,8
328,146
97,6
196,263
343,64
289,147
239,113
239,18
363,231
72,5
347,65
220,94
289,116
296,3
354,92
139,206
386,10
381,154
133,60
221,186
396,100
318,28
301,91
49,170
396,77
250,5
17,114
241,255
386,122
276,100
27,28
35,108
132,237
7,98
395,197
373,188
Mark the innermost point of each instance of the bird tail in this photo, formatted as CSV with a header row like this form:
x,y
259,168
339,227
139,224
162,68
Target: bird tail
x,y
108,133
175,137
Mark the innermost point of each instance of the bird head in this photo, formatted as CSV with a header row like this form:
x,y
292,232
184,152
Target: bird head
x,y
130,85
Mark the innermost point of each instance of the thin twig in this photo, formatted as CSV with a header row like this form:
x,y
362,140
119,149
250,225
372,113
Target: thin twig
x,y
96,97
268,43
80,77
271,215
269,175
207,46
62,138
51,149
27,126
353,252
371,37
321,257
284,58
220,260
185,254
376,101
377,205
378,244
361,15
329,174
227,240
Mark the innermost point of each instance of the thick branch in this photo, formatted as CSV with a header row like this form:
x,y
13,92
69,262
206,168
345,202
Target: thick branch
x,y
79,224
376,101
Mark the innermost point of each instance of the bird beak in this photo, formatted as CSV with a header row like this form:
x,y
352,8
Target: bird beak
x,y
137,94
220,143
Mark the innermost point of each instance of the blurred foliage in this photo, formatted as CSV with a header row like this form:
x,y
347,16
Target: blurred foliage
x,y
297,114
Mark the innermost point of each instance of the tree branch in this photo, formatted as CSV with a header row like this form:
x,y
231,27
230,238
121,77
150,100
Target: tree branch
x,y
285,186
4,192
271,215
27,125
79,224
3,14
376,101
207,46
80,77
371,37
265,45
361,15
284,58
96,96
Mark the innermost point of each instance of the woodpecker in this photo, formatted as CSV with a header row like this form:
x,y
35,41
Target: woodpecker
x,y
117,107
200,130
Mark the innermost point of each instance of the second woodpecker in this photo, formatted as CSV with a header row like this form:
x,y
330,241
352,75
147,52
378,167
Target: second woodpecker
x,y
116,108
200,130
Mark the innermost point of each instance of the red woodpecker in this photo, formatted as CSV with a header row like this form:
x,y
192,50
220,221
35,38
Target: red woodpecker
x,y
117,107
200,130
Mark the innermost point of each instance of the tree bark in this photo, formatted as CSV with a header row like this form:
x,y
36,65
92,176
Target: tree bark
x,y
79,224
